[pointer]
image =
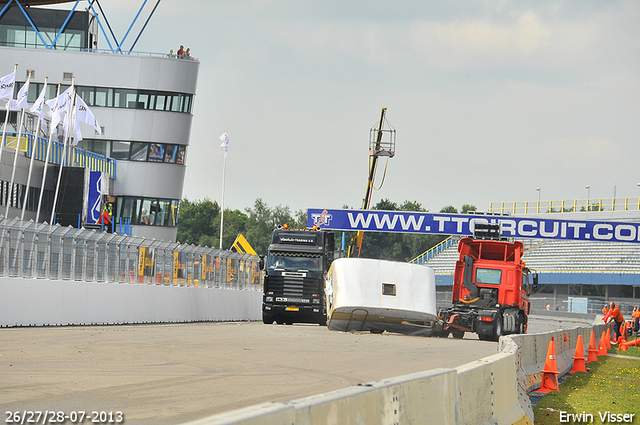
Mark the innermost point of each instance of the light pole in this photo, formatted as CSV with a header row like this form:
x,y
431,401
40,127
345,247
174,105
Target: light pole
x,y
588,196
538,189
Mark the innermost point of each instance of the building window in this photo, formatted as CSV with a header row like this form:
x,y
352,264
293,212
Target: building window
x,y
118,98
167,153
16,198
120,150
180,156
139,151
156,152
104,97
147,211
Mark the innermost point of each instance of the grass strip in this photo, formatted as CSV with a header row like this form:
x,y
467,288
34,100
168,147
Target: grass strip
x,y
610,386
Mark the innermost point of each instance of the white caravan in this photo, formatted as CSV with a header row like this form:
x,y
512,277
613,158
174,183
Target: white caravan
x,y
378,296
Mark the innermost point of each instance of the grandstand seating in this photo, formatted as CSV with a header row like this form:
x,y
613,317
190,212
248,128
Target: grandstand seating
x,y
562,256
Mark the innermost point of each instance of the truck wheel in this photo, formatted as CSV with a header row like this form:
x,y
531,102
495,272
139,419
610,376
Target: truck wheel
x,y
457,334
267,319
497,329
439,331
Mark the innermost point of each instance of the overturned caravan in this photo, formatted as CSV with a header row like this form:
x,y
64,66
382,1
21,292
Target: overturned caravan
x,y
378,296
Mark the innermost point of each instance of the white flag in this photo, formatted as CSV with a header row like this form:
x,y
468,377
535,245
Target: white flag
x,y
6,86
224,147
21,101
78,136
39,103
59,106
84,114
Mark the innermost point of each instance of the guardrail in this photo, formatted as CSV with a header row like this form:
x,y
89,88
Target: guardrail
x,y
572,205
435,250
43,251
93,161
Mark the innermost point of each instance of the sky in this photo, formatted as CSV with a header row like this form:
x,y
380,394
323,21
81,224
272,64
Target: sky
x,y
491,101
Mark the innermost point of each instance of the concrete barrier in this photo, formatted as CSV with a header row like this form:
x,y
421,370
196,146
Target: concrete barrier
x,y
420,398
34,302
532,351
487,391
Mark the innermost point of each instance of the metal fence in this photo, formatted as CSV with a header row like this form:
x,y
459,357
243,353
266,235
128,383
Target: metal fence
x,y
42,251
571,205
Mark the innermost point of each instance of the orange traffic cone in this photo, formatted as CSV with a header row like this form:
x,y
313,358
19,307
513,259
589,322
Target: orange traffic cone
x,y
623,338
550,372
579,358
593,351
602,345
608,338
634,343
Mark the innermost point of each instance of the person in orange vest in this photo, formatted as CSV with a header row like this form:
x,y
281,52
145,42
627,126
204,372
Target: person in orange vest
x,y
105,216
616,316
605,309
636,319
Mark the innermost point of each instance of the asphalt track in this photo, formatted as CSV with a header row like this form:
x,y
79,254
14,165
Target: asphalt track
x,y
169,374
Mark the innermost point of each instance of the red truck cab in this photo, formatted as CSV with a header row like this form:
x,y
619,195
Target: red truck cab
x,y
490,293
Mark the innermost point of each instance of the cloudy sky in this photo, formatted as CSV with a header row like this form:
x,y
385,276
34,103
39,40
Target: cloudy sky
x,y
490,99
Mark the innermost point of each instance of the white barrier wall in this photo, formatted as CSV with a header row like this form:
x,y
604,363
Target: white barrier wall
x,y
37,302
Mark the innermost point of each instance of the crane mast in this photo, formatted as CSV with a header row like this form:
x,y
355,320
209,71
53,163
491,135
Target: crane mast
x,y
378,146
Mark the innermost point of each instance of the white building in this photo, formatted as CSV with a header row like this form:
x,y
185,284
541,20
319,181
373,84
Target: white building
x,y
143,102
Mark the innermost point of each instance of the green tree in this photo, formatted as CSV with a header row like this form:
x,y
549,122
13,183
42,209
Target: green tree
x,y
301,219
449,209
196,220
466,208
399,246
199,224
282,215
235,223
259,226
262,220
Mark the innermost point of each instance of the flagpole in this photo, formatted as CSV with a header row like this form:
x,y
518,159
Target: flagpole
x,y
6,121
15,155
224,172
46,162
69,120
15,162
33,152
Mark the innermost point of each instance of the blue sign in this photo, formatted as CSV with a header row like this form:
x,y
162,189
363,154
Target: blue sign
x,y
94,200
463,225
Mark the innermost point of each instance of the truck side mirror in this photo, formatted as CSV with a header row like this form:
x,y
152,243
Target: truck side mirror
x,y
261,262
534,287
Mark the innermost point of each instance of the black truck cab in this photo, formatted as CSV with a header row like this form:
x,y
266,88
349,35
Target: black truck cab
x,y
294,272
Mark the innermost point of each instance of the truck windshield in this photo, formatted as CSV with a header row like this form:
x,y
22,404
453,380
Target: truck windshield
x,y
294,262
490,276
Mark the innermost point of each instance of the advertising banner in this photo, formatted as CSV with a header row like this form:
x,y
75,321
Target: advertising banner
x,y
208,267
553,227
146,261
179,262
94,197
232,270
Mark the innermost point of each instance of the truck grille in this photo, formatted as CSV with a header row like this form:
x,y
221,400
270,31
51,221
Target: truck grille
x,y
293,286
